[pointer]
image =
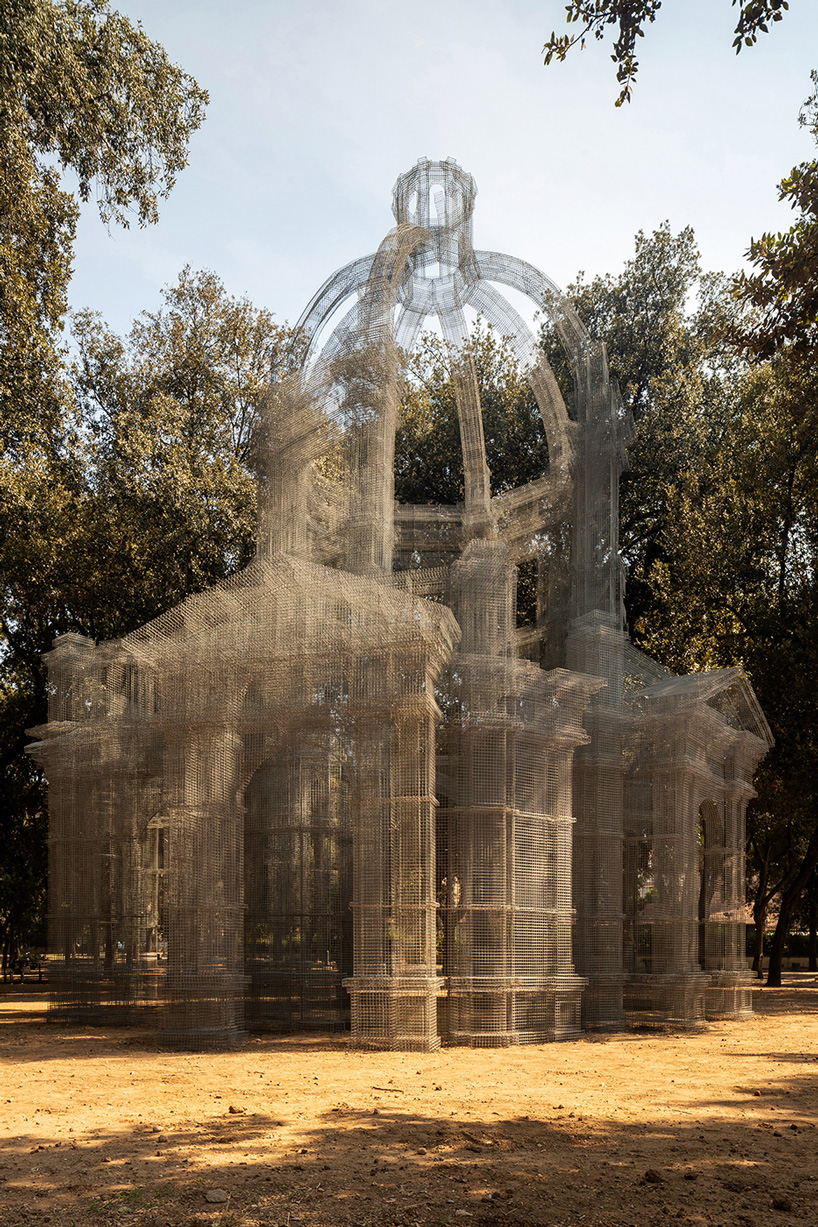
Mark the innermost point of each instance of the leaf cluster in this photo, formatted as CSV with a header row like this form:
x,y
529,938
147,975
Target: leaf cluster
x,y
672,374
82,85
169,417
137,493
631,16
783,291
428,452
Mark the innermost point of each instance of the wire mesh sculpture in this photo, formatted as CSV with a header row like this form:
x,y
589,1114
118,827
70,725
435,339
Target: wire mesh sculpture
x,y
343,782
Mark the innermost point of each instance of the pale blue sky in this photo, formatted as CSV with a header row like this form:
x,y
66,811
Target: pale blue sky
x,y
317,105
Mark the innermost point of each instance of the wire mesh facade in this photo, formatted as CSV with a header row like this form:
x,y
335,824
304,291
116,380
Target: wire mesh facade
x,y
342,787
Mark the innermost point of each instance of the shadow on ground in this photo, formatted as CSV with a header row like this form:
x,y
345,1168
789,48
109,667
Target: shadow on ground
x,y
743,1160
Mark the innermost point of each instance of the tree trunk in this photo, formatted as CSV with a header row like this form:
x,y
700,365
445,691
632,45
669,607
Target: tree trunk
x,y
789,898
759,920
6,952
761,902
786,909
758,952
813,930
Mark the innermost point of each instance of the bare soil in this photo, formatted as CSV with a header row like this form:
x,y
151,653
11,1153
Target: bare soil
x,y
100,1127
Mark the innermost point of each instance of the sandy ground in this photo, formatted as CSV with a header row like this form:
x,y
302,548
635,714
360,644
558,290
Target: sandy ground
x,y
100,1127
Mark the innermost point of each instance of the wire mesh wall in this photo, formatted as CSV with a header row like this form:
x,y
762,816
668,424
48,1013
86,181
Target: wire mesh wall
x,y
342,786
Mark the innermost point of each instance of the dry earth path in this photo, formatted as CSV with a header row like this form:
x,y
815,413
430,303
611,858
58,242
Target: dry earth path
x,y
100,1127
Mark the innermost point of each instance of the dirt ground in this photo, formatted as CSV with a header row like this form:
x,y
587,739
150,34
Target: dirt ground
x,y
100,1127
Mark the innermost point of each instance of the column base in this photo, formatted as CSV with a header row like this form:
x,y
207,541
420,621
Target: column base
x,y
729,995
497,1012
602,1004
202,1012
675,1000
394,1013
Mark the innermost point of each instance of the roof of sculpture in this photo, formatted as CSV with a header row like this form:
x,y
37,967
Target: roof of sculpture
x,y
728,691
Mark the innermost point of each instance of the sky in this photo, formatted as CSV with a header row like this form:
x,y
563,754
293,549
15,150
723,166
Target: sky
x,y
316,106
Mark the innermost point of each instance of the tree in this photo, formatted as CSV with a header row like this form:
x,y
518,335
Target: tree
x,y
784,289
782,295
146,496
735,583
171,412
719,525
673,378
83,88
37,223
428,456
631,16
83,92
80,84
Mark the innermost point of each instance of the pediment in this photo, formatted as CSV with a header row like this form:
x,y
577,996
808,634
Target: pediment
x,y
727,691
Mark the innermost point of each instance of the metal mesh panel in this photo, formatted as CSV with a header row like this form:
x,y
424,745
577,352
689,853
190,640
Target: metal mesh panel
x,y
342,780
685,797
298,863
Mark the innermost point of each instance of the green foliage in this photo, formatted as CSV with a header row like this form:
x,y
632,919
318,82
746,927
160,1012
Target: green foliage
x,y
631,16
81,84
37,222
739,542
641,314
673,380
170,416
141,496
428,456
784,289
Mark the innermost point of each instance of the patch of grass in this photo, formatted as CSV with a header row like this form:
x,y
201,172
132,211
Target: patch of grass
x,y
133,1198
128,1200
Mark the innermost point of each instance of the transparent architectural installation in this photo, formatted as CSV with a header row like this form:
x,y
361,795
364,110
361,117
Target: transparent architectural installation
x,y
342,787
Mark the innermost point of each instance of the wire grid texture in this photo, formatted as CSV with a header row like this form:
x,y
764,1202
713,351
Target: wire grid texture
x,y
343,787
